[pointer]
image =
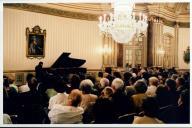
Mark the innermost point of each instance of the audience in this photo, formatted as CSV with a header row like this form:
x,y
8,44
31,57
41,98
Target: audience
x,y
84,98
70,113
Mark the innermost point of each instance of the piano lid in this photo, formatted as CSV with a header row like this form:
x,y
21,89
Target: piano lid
x,y
64,61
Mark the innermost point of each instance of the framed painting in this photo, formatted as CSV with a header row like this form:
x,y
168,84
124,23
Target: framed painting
x,y
35,42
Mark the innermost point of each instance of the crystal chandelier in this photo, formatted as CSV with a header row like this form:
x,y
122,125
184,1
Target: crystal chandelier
x,y
123,24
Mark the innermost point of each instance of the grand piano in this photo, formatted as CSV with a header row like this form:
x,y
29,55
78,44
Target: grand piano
x,y
65,65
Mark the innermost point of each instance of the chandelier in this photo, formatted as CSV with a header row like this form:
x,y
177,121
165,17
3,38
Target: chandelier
x,y
123,24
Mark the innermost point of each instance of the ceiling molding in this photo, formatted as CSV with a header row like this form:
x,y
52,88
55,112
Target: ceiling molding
x,y
169,18
52,11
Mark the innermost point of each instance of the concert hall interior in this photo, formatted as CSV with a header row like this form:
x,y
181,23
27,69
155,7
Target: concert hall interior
x,y
96,63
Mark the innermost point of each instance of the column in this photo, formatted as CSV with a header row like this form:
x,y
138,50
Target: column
x,y
176,45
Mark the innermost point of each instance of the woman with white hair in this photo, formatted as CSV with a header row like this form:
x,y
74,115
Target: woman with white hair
x,y
87,98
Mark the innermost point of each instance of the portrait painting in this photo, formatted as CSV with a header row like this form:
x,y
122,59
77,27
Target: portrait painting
x,y
35,42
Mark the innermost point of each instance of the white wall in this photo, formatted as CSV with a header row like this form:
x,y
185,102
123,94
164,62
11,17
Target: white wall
x,y
80,37
184,41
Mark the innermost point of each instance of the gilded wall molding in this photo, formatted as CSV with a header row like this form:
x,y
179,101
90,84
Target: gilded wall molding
x,y
51,11
170,23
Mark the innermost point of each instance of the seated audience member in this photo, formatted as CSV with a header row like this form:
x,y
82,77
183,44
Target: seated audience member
x,y
107,93
162,96
174,76
10,97
99,77
117,75
31,105
132,81
25,88
86,87
161,79
129,91
104,82
121,103
186,77
153,83
61,97
70,114
180,84
104,99
150,108
184,107
11,82
141,88
126,77
74,81
171,84
103,111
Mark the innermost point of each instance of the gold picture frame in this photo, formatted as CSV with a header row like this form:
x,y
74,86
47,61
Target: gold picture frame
x,y
35,42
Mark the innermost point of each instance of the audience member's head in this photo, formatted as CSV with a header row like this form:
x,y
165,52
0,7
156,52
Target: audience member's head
x,y
117,84
33,84
74,81
29,77
171,84
174,76
100,74
180,82
150,107
86,86
92,78
145,75
153,81
126,77
132,80
75,98
108,70
5,81
103,83
117,75
140,86
129,91
107,92
60,87
105,74
41,63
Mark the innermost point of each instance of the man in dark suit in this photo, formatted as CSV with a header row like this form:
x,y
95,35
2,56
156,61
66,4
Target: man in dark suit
x,y
39,72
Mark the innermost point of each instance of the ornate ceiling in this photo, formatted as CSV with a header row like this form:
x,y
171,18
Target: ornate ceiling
x,y
173,12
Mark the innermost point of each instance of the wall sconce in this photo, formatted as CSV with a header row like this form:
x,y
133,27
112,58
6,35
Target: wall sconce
x,y
106,49
161,51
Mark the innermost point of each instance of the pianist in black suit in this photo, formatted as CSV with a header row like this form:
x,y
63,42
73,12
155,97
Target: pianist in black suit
x,y
39,72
